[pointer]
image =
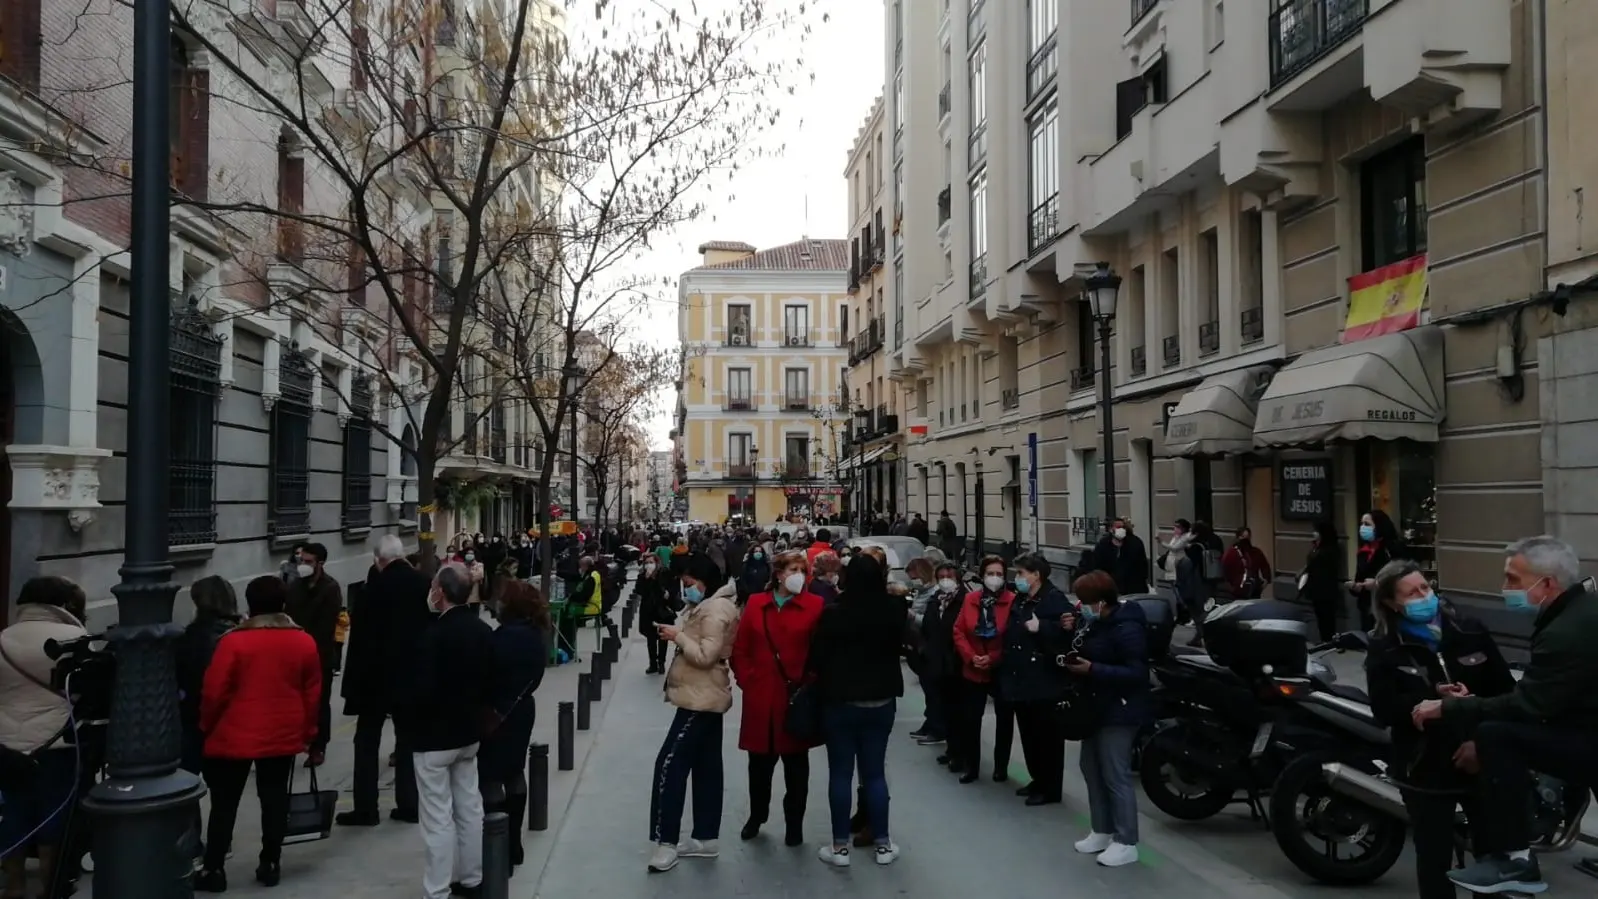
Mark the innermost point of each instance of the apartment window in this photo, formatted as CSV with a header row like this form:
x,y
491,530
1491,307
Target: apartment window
x,y
739,331
898,306
1087,352
194,366
407,466
1042,17
1142,90
740,451
357,511
796,457
796,388
289,506
1136,317
443,259
360,51
1210,283
1216,25
977,145
898,103
1170,309
740,388
290,198
190,124
20,39
1043,143
1251,275
1393,204
979,233
843,322
796,325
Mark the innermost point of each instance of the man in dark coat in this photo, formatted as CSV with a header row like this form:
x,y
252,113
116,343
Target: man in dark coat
x,y
314,602
386,626
1122,555
919,530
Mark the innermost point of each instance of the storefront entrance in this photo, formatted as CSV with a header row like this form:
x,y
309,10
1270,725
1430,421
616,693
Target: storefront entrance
x,y
1259,507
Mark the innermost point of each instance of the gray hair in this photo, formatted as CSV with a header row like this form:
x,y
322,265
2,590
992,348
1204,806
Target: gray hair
x,y
1387,579
455,583
389,548
1549,557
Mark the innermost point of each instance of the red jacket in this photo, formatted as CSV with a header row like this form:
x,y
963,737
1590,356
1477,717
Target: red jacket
x,y
262,691
969,645
765,687
1240,564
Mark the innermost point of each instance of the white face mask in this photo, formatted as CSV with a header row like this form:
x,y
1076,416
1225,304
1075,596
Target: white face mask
x,y
471,557
794,583
304,570
948,585
1120,533
994,582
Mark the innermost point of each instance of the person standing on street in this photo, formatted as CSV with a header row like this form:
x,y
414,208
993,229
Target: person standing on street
x,y
521,650
1122,553
314,602
454,682
979,640
216,611
1318,582
699,685
656,591
259,708
1030,681
940,663
386,629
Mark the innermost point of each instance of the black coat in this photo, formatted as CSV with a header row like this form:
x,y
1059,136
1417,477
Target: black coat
x,y
1117,645
520,654
1027,669
1323,584
1127,563
454,681
194,650
939,659
854,653
1401,671
657,600
386,627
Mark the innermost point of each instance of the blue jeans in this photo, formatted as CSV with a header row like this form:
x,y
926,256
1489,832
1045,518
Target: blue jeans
x,y
692,748
1107,769
858,735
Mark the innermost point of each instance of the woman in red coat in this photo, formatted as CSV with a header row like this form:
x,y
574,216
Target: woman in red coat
x,y
979,640
769,654
259,707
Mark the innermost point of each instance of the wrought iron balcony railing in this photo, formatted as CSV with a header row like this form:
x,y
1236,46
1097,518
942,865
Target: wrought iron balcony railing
x,y
1302,31
1043,224
1253,321
1209,338
1171,351
1083,377
1140,361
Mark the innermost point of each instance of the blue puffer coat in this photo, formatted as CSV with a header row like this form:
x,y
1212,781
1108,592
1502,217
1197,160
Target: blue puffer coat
x,y
1117,645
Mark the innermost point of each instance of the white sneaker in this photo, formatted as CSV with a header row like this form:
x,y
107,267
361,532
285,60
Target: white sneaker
x,y
1094,843
664,859
1118,854
887,855
699,849
838,858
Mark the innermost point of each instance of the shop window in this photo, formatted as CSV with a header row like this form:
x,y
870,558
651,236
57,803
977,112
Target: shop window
x,y
1393,204
1400,478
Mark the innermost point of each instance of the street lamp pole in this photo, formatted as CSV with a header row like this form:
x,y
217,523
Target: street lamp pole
x,y
1100,292
144,842
574,375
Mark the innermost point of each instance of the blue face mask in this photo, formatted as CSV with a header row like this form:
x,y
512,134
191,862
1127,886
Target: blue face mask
x,y
1087,612
1518,601
1021,585
692,595
1423,610
1367,533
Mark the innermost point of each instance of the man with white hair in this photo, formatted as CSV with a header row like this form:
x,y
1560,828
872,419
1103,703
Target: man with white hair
x,y
1547,724
387,618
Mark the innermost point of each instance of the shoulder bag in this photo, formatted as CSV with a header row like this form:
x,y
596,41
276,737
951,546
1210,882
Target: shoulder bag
x,y
1076,710
803,721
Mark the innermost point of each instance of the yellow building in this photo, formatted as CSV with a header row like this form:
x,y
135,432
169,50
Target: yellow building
x,y
765,348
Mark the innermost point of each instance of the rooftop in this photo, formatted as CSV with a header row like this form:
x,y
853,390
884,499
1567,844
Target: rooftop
x,y
727,246
804,255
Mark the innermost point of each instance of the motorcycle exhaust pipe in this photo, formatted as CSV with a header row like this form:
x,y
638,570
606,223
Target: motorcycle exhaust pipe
x,y
1346,780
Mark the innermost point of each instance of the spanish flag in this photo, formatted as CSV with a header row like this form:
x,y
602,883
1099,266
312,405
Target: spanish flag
x,y
1386,300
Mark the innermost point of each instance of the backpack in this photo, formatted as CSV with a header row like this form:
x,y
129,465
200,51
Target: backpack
x,y
1212,570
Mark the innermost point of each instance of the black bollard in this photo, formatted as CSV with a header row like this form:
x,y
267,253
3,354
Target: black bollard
x,y
613,646
626,620
496,856
566,739
585,695
602,667
538,773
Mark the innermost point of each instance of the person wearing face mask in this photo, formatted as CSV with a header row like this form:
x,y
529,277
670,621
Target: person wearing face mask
x,y
699,685
768,660
979,640
1030,681
824,573
1122,553
1548,723
940,663
1379,543
657,604
314,602
756,573
1318,582
1245,566
1423,648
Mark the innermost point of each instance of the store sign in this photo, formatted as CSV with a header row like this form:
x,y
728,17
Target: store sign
x,y
810,490
1305,486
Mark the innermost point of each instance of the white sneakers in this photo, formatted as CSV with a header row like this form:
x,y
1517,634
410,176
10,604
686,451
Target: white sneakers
x,y
1110,853
887,855
666,855
838,858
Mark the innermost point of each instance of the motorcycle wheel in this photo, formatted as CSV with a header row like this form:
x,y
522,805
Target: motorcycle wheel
x,y
1309,821
1156,768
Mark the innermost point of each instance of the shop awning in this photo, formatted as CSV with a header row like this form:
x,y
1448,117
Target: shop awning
x,y
1216,418
867,458
1386,388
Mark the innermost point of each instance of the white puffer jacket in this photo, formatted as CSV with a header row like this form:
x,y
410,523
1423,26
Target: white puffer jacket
x,y
30,714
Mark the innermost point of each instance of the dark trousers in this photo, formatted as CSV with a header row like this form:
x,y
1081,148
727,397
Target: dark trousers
x,y
971,704
657,648
934,690
795,785
368,748
1042,746
692,749
1326,616
225,778
1508,754
1362,601
1431,820
324,720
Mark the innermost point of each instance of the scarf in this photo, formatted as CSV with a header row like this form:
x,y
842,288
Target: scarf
x,y
1428,632
987,626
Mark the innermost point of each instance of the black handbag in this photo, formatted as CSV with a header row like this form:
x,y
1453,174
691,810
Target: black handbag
x,y
310,813
803,721
1076,709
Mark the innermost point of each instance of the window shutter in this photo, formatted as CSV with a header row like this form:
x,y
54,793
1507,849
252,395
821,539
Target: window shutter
x,y
197,135
1130,97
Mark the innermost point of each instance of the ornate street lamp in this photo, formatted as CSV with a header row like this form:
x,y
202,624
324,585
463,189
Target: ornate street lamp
x,y
1099,291
574,379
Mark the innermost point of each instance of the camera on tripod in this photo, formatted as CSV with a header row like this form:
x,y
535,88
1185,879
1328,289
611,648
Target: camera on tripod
x,y
84,671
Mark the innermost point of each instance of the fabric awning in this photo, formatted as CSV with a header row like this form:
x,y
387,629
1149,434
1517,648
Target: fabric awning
x,y
1216,418
1385,388
869,457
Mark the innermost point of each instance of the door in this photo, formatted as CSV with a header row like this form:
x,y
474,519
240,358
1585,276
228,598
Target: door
x,y
1259,507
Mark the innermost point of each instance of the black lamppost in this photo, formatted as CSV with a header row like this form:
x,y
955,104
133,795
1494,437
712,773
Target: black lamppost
x,y
1099,292
574,379
144,810
862,426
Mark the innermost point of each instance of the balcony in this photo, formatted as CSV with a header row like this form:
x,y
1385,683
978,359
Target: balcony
x,y
1140,361
738,404
1253,321
898,328
1043,224
299,31
1083,377
737,336
795,470
979,276
1042,67
1171,351
945,206
880,245
796,338
879,332
743,471
794,402
945,105
1302,31
1141,8
1010,398
1209,338
497,444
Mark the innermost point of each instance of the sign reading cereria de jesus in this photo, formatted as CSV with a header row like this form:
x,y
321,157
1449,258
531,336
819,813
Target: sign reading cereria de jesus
x,y
1305,487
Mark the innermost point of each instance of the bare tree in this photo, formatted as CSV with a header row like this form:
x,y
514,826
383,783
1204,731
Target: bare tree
x,y
616,401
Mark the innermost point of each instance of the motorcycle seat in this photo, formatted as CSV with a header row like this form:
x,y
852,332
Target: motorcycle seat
x,y
1349,692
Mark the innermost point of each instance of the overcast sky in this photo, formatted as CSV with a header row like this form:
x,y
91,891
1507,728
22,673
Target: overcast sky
x,y
770,196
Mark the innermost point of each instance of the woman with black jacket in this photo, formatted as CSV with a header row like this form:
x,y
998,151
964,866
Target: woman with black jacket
x,y
1318,582
657,604
521,650
1030,680
940,663
854,664
1423,649
1379,543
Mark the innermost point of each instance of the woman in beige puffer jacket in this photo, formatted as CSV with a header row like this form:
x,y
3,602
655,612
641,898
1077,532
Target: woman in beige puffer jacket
x,y
699,684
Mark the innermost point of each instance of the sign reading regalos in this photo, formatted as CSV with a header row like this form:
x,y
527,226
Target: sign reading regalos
x,y
1305,487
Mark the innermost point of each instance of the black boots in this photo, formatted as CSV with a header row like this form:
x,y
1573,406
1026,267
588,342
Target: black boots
x,y
516,811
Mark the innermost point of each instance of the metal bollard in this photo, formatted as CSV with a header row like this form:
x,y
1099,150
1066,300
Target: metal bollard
x,y
613,646
585,695
565,737
626,621
602,666
538,774
496,856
